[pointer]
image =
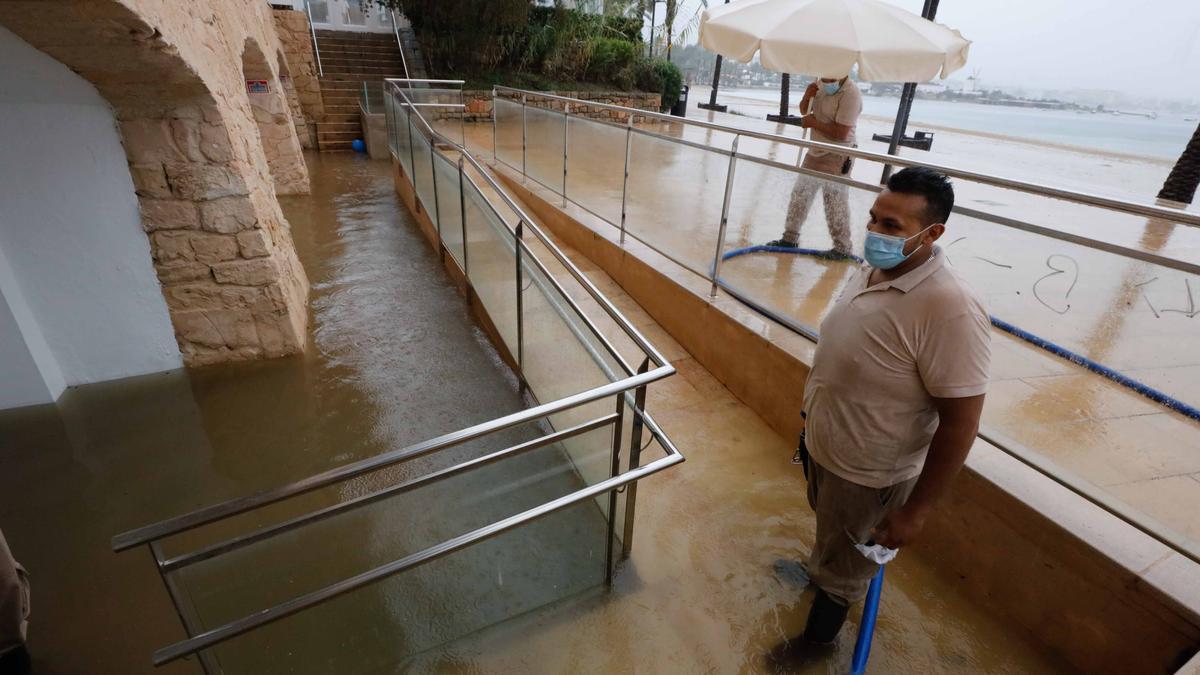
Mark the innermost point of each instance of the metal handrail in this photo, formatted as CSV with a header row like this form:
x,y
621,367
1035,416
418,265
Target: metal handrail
x,y
316,47
1077,239
1087,199
235,543
625,324
283,610
399,44
223,510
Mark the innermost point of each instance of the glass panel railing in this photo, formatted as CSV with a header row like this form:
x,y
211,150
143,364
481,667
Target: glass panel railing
x,y
492,267
371,97
1110,290
686,182
509,139
544,157
423,171
450,217
536,564
561,357
596,166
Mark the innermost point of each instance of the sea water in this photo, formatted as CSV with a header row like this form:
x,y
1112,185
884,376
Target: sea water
x,y
1161,138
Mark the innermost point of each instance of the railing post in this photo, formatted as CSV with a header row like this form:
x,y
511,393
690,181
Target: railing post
x,y
462,212
316,47
412,154
625,180
718,257
618,428
566,139
524,136
520,303
635,460
437,208
186,616
495,106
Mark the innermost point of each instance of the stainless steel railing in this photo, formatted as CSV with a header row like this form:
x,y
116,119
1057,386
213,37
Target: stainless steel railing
x,y
1060,475
1072,196
316,47
399,43
627,388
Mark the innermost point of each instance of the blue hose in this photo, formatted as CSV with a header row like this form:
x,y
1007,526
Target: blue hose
x,y
1058,350
866,629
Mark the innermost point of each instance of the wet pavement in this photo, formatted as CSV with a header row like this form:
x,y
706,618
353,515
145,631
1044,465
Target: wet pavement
x,y
1137,318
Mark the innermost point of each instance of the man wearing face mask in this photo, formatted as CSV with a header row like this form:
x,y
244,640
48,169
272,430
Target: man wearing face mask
x,y
894,397
836,104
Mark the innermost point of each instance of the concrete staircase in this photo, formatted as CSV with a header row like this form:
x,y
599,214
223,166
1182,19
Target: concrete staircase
x,y
349,59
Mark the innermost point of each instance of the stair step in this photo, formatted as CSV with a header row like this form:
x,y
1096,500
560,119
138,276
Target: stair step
x,y
341,64
390,43
338,118
345,78
362,70
335,138
358,49
353,34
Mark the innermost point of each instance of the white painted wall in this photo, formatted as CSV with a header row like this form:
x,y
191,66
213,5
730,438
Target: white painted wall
x,y
29,373
79,268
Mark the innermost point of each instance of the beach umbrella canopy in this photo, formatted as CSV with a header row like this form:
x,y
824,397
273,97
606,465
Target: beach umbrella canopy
x,y
826,38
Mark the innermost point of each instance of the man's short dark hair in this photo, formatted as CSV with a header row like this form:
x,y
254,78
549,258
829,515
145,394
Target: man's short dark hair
x,y
933,186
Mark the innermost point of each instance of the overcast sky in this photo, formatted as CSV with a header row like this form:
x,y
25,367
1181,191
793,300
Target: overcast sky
x,y
1146,47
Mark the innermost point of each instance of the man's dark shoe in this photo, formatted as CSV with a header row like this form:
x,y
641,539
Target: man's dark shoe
x,y
15,661
825,619
783,243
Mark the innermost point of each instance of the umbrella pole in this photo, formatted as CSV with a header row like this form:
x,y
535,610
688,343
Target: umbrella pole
x,y
712,95
929,11
783,116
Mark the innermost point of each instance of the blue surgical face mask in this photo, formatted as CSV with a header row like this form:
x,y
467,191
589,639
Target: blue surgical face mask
x,y
831,88
885,251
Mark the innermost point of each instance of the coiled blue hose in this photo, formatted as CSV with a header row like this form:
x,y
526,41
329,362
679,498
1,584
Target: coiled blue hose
x,y
1056,349
866,628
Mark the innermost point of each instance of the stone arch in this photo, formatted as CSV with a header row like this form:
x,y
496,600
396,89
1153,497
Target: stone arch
x,y
221,248
270,109
299,123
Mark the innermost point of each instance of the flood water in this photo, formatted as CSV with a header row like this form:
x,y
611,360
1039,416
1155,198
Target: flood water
x,y
395,358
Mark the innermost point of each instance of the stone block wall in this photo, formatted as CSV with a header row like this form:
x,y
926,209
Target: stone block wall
x,y
295,38
175,75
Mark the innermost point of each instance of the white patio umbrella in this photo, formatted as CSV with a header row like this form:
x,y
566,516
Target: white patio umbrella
x,y
826,38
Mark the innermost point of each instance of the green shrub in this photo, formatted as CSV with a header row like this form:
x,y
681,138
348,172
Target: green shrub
x,y
662,77
647,78
609,58
672,81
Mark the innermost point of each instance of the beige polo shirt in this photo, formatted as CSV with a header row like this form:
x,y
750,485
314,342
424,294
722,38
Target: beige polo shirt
x,y
884,354
844,107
